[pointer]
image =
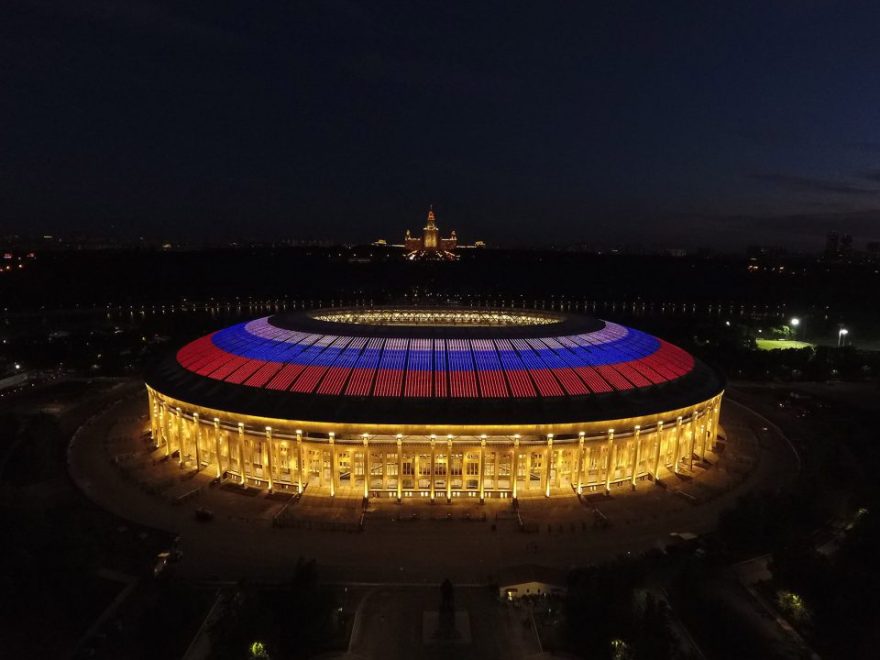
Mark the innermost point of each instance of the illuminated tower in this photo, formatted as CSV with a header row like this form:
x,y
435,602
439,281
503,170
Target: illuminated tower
x,y
430,246
431,238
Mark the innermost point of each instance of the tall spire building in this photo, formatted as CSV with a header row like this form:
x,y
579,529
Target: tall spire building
x,y
430,246
432,235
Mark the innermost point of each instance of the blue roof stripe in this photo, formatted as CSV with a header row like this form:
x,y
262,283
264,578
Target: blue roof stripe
x,y
314,349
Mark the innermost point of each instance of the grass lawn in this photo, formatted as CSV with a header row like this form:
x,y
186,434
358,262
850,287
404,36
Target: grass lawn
x,y
773,344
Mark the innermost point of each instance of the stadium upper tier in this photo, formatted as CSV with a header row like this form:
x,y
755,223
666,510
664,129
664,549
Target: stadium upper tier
x,y
431,366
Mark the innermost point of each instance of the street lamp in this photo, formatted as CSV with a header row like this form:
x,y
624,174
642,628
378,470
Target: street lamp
x,y
843,332
794,323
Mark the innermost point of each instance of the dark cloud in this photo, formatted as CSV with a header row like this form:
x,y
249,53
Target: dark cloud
x,y
806,184
140,15
771,136
868,146
800,230
345,118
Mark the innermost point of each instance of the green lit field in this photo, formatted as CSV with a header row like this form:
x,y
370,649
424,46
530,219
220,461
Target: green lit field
x,y
773,344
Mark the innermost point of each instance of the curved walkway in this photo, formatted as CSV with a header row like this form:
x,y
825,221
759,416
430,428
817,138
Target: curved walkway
x,y
110,461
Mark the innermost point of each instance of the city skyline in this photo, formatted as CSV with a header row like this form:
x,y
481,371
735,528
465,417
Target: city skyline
x,y
113,237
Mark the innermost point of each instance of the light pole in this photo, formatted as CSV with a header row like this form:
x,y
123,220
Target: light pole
x,y
843,332
794,323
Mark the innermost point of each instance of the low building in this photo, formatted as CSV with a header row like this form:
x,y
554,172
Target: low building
x,y
531,580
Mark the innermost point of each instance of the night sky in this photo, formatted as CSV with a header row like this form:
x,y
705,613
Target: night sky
x,y
662,123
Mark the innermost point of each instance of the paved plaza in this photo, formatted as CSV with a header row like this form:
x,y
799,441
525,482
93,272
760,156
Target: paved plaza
x,y
416,541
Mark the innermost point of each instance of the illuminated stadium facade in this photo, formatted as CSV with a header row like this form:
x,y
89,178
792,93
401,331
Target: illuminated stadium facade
x,y
435,403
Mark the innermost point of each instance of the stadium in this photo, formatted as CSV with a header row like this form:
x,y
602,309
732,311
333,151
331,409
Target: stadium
x,y
435,403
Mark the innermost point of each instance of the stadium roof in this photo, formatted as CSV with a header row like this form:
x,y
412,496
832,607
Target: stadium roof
x,y
440,366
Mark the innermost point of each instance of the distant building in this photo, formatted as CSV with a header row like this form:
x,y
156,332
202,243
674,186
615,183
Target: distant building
x,y
832,244
765,251
430,246
531,580
838,246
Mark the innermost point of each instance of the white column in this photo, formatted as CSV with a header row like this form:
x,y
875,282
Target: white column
x,y
716,415
677,450
400,468
269,461
578,482
417,468
449,468
367,466
290,461
548,460
164,421
705,424
528,483
299,458
180,442
153,406
609,461
708,425
332,464
659,433
197,434
241,453
433,440
482,467
217,446
557,455
691,444
637,433
514,468
154,415
702,436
